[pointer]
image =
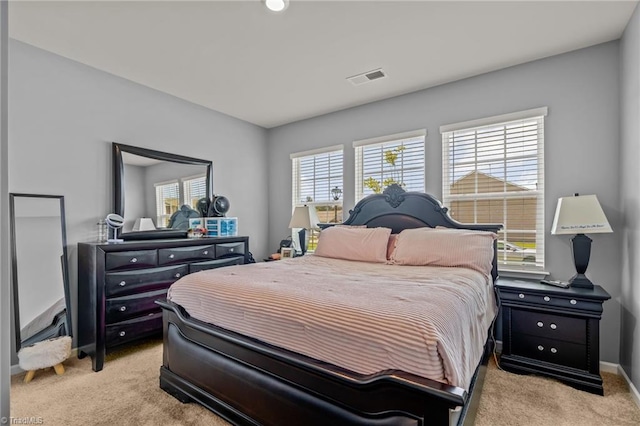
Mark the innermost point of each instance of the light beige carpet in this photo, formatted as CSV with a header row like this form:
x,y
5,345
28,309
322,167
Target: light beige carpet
x,y
127,392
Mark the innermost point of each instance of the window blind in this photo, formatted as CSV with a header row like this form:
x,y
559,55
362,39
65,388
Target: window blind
x,y
167,202
194,189
383,161
314,174
494,173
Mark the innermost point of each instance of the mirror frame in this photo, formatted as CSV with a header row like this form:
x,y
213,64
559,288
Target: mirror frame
x,y
118,169
14,263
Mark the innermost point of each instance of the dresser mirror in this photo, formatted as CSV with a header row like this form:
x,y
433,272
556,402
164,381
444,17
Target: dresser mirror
x,y
151,186
39,268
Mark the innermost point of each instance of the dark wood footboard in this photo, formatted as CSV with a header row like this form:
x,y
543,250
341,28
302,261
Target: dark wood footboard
x,y
248,382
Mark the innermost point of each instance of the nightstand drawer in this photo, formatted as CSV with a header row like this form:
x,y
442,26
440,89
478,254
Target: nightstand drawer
x,y
550,350
549,326
551,300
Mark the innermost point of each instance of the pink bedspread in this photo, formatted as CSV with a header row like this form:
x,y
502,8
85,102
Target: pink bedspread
x,y
430,321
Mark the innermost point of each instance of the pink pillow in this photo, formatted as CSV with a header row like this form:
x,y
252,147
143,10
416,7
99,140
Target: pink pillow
x,y
445,247
349,243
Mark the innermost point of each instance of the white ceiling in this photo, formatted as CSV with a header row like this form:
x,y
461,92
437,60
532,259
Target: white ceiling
x,y
270,69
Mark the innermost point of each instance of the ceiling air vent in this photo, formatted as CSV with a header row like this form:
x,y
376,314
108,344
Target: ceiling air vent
x,y
366,77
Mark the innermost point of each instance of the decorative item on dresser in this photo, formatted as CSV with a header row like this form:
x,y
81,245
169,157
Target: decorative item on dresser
x,y
118,285
552,331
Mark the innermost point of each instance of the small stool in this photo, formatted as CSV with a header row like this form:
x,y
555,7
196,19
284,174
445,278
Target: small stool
x,y
48,353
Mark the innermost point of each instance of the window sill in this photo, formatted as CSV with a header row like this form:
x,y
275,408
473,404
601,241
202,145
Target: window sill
x,y
514,273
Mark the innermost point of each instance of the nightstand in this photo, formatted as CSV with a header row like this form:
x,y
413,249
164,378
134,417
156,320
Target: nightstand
x,y
552,331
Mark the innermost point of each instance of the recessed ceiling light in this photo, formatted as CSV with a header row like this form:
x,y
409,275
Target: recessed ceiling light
x,y
276,5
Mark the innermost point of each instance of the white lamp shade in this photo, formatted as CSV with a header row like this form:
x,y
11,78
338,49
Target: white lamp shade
x,y
304,217
580,214
143,224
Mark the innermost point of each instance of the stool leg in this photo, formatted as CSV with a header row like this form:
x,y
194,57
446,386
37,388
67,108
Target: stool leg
x,y
29,376
59,369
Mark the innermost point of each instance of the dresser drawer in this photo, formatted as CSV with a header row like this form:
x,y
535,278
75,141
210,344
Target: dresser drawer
x,y
550,350
182,254
123,308
127,331
131,259
218,263
230,249
142,280
549,326
551,300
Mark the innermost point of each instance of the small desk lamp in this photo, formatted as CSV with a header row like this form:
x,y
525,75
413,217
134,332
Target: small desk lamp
x,y
304,217
578,215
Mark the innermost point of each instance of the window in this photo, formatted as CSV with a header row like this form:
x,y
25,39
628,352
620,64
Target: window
x,y
383,161
314,175
194,189
493,172
169,198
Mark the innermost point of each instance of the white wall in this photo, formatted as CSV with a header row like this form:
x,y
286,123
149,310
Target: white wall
x,y
64,116
581,147
629,233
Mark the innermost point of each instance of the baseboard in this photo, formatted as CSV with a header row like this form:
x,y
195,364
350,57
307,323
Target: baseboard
x,y
15,369
609,367
635,395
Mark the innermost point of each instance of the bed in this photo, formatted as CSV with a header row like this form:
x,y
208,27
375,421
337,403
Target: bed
x,y
240,369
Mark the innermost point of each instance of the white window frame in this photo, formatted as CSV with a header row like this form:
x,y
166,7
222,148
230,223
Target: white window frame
x,y
448,132
398,172
296,195
181,183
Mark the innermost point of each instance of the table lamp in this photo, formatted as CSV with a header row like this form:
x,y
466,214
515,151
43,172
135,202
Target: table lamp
x,y
304,217
578,215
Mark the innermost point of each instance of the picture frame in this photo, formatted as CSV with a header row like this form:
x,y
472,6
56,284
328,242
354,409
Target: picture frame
x,y
286,253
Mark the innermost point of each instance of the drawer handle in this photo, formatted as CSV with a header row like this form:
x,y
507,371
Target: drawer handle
x,y
540,348
171,256
521,296
122,333
540,324
205,252
231,250
553,326
123,283
573,301
123,308
178,275
554,350
134,260
546,298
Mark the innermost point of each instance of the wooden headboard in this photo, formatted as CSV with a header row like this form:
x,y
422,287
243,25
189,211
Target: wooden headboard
x,y
398,209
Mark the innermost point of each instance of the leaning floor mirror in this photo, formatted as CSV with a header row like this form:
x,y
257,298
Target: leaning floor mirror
x,y
40,279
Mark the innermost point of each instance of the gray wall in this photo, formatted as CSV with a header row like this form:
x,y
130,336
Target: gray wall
x,y
64,116
629,233
581,147
5,354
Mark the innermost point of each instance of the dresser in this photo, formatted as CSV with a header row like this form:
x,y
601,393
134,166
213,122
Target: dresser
x,y
118,285
552,331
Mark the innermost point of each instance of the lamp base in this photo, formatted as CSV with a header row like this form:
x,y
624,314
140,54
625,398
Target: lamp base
x,y
302,235
580,281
